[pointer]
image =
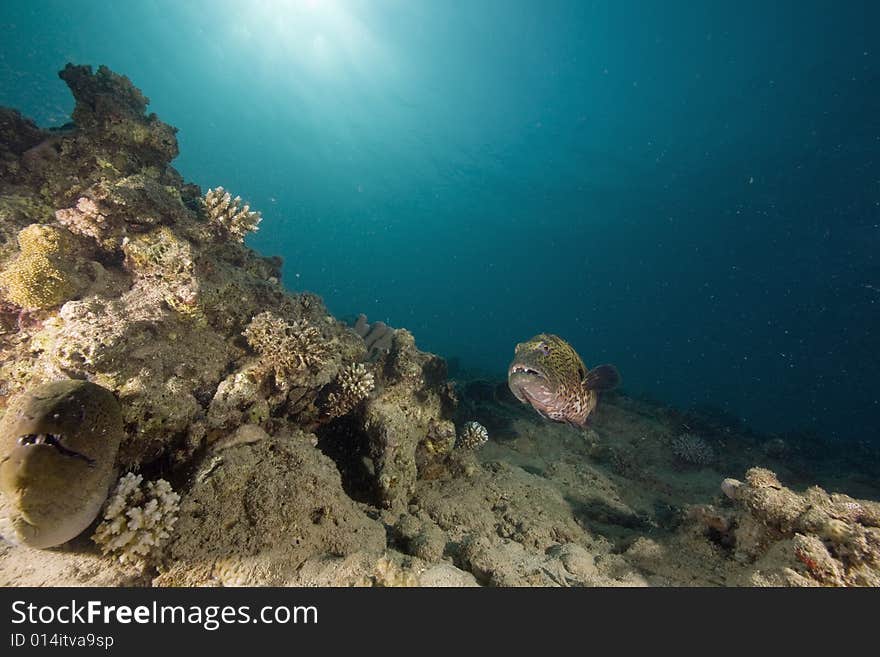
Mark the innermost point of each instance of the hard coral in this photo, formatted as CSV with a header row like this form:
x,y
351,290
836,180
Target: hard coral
x,y
109,103
42,275
353,384
473,436
291,350
377,336
228,215
138,519
826,539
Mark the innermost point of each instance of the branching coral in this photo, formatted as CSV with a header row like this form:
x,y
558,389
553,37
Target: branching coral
x,y
286,348
692,450
354,384
41,276
138,519
473,435
227,214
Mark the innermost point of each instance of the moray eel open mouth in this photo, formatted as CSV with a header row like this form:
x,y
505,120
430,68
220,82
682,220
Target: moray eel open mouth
x,y
51,440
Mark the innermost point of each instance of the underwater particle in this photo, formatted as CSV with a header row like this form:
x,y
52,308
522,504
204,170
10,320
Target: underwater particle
x,y
354,384
692,450
227,214
284,347
41,275
473,435
548,374
58,447
138,519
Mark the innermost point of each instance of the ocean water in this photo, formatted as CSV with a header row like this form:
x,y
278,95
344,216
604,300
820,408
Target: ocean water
x,y
690,191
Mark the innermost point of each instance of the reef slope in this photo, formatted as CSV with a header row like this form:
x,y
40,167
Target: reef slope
x,y
301,454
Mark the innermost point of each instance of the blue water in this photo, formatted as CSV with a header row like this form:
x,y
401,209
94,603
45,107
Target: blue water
x,y
688,190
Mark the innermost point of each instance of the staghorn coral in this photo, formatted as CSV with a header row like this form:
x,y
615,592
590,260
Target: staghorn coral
x,y
353,384
473,436
690,449
138,520
228,215
288,349
42,275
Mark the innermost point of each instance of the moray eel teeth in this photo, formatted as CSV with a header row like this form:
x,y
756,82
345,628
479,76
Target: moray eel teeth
x,y
52,440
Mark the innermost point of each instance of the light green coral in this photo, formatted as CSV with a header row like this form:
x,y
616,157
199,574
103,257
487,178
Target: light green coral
x,y
41,276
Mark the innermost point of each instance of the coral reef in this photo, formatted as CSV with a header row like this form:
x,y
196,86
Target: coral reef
x,y
228,215
58,446
414,398
307,453
138,520
473,435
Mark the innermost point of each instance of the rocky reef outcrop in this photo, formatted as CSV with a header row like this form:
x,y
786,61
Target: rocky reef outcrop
x,y
115,271
255,439
799,539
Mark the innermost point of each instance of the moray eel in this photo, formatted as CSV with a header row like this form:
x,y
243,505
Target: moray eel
x,y
548,374
58,447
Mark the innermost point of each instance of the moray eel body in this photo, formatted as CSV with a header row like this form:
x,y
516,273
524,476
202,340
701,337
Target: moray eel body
x,y
58,447
548,374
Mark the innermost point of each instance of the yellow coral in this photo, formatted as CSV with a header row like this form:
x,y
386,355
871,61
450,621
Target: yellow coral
x,y
39,277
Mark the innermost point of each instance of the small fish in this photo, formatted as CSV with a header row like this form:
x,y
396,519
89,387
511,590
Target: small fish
x,y
547,373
